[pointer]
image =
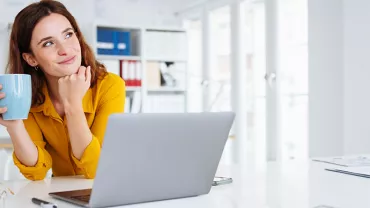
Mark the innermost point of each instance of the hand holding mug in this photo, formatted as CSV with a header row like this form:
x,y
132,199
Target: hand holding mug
x,y
15,99
9,123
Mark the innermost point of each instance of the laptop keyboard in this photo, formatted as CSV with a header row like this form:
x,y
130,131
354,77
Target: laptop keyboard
x,y
84,198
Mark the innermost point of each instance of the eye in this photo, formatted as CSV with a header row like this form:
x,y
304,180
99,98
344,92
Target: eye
x,y
70,34
47,44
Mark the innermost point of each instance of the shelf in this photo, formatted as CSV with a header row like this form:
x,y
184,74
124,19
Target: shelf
x,y
116,26
133,89
113,57
165,60
167,89
166,29
157,90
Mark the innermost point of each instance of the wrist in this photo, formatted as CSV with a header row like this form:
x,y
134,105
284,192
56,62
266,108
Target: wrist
x,y
72,108
15,126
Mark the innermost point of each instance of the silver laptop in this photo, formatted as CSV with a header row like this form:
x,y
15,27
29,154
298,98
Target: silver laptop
x,y
151,157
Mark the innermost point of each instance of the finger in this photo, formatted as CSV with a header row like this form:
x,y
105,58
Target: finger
x,y
2,95
3,110
81,71
62,79
69,77
88,74
1,86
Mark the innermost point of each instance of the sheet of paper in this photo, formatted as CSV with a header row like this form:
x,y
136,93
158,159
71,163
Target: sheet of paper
x,y
347,161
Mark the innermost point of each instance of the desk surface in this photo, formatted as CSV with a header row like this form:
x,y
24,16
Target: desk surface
x,y
273,185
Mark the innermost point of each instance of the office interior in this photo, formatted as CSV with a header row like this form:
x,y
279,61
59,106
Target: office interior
x,y
294,71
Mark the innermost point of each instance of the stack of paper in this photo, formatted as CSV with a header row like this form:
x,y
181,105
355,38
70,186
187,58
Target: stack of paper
x,y
350,165
348,161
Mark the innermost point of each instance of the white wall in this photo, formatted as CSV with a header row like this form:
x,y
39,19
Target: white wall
x,y
8,9
146,12
357,76
325,77
339,77
4,46
138,12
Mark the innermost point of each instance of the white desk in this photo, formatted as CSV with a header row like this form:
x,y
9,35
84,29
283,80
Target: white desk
x,y
273,186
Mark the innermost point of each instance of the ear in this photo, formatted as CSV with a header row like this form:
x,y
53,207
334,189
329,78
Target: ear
x,y
30,59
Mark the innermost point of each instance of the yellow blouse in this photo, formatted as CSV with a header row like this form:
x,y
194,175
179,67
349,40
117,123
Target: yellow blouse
x,y
50,134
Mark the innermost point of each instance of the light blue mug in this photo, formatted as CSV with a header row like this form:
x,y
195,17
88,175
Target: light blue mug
x,y
18,95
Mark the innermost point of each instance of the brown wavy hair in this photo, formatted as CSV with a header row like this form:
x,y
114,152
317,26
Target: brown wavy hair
x,y
20,39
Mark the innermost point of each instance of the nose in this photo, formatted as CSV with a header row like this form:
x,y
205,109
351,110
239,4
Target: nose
x,y
62,51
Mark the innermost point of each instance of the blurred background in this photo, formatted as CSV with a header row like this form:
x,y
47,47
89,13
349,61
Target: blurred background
x,y
294,71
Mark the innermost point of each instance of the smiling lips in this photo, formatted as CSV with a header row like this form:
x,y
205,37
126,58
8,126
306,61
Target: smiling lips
x,y
68,60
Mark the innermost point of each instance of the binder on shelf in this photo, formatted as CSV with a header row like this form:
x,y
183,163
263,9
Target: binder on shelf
x,y
138,74
124,71
105,43
113,42
123,44
131,72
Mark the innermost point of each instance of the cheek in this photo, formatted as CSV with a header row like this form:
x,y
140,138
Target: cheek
x,y
76,45
46,57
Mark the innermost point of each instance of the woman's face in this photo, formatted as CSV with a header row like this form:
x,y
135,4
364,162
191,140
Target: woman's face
x,y
55,47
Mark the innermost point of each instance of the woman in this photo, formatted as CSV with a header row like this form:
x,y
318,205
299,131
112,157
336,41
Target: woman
x,y
73,95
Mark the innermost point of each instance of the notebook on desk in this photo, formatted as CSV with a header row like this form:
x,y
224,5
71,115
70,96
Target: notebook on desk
x,y
151,157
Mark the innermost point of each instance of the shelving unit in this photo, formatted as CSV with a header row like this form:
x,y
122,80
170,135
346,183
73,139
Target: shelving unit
x,y
116,57
167,89
147,48
167,60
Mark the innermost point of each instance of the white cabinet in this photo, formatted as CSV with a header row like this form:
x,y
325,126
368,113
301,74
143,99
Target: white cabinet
x,y
165,48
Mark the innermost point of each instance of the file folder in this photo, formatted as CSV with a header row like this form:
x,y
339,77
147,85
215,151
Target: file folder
x,y
106,40
123,44
113,42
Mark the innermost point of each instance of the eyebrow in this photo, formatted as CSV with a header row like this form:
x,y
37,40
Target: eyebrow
x,y
48,38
